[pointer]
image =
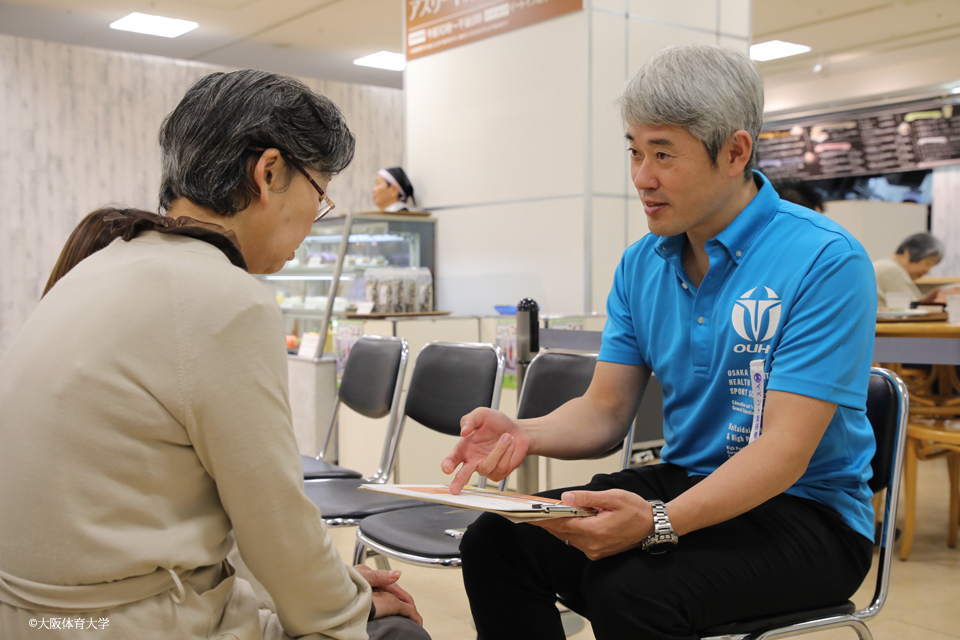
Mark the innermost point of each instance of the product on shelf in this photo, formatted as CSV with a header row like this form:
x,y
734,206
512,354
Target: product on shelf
x,y
399,289
388,291
408,291
424,295
370,287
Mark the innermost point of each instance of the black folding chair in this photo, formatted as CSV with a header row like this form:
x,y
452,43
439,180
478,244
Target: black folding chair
x,y
371,383
420,535
887,407
450,379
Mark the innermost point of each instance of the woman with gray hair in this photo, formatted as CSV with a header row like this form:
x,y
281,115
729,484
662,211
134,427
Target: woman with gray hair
x,y
913,259
144,408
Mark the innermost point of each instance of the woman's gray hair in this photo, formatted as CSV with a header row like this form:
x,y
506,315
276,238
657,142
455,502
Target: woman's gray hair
x,y
207,142
709,91
920,246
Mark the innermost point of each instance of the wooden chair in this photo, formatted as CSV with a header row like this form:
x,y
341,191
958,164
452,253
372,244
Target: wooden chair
x,y
925,441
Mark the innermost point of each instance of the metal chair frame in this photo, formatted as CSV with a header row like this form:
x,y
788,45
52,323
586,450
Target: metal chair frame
x,y
494,403
857,620
395,430
366,546
379,477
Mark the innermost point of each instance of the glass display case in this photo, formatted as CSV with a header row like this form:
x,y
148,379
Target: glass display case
x,y
384,260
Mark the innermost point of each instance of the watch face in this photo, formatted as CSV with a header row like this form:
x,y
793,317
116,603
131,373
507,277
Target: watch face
x,y
660,547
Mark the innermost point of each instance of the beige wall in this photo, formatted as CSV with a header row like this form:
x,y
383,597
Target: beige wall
x,y
879,226
78,130
515,144
945,222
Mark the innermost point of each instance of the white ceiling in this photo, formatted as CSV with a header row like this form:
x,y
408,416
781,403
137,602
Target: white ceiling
x,y
840,31
321,38
315,38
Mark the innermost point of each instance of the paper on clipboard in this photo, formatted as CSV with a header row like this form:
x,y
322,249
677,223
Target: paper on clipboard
x,y
512,506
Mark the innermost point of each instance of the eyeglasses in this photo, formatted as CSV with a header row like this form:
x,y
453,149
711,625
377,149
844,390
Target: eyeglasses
x,y
326,204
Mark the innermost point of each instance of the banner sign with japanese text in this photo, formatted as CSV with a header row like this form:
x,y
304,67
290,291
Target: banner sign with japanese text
x,y
435,25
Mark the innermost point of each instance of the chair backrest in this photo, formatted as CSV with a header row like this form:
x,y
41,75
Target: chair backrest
x,y
888,407
371,385
370,376
883,412
552,379
451,379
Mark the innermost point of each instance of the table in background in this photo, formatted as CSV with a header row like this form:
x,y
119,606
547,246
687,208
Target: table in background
x,y
927,283
933,343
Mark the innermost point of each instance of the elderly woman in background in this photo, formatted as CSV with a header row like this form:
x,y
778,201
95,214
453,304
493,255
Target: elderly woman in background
x,y
144,409
914,258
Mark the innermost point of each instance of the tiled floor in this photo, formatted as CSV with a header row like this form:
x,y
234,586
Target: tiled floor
x,y
924,599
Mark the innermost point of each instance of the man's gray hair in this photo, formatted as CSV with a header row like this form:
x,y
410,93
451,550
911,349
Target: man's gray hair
x,y
208,140
709,91
920,246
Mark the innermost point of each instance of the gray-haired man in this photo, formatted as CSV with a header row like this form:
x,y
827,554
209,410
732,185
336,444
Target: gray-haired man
x,y
734,296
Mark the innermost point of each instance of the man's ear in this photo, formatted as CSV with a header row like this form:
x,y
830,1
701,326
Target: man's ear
x,y
265,172
738,150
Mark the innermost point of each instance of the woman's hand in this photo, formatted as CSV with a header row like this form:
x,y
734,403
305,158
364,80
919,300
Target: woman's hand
x,y
941,293
934,295
490,443
388,598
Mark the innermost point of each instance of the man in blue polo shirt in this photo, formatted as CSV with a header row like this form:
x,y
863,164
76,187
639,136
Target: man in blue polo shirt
x,y
757,316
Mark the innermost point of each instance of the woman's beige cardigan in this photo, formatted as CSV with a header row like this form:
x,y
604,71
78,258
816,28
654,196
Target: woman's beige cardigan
x,y
144,419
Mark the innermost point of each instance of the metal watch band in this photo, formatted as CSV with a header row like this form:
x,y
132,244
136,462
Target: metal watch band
x,y
663,536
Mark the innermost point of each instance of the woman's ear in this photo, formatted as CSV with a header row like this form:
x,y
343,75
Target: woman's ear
x,y
265,172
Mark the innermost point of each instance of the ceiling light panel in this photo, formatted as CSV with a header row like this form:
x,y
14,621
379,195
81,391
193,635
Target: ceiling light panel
x,y
774,49
383,60
154,25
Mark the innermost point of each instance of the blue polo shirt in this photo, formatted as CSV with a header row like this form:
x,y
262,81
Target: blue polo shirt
x,y
786,285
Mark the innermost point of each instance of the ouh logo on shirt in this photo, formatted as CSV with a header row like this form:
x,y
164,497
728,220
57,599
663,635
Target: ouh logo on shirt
x,y
756,315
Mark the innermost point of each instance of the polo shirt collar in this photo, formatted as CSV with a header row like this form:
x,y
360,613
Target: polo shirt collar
x,y
740,233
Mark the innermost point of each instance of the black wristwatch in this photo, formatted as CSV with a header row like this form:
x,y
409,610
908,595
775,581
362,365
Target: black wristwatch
x,y
663,538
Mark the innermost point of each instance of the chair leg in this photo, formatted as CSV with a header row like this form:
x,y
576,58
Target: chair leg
x,y
862,631
359,553
910,493
953,466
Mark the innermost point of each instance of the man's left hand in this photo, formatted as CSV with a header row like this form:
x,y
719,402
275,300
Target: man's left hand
x,y
622,522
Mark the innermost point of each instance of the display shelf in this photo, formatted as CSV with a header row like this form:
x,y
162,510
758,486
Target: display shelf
x,y
356,238
317,314
346,247
413,314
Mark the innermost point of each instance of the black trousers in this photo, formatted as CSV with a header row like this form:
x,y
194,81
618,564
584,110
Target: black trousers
x,y
786,554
